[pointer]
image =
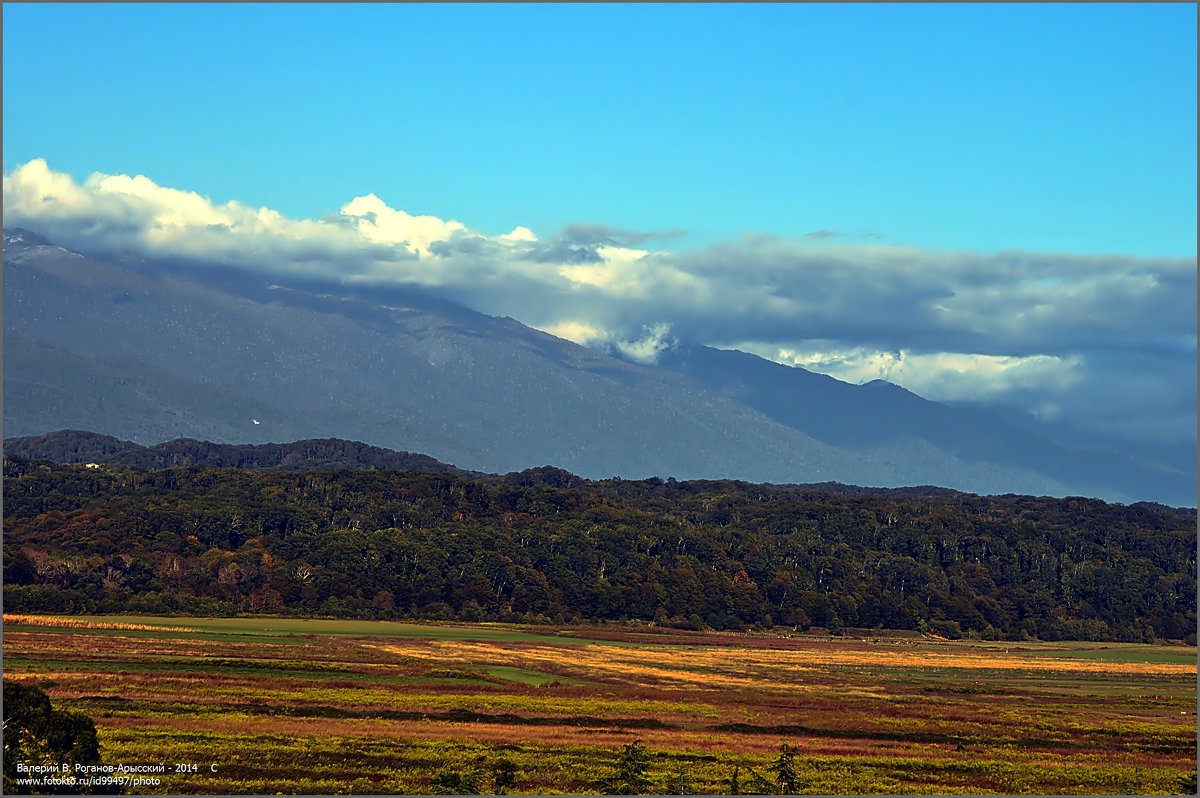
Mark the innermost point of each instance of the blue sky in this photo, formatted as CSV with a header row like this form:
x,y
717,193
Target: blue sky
x,y
1052,128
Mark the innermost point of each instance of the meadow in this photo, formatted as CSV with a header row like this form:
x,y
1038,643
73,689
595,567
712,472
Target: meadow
x,y
283,705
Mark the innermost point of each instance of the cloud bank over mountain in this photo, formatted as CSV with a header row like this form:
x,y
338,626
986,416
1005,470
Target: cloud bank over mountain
x,y
1107,341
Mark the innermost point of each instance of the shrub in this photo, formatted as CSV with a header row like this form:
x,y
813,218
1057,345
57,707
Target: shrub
x,y
37,734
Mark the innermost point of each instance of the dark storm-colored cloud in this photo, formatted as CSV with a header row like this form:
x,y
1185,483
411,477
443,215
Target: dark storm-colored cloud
x,y
1003,304
563,251
467,245
609,236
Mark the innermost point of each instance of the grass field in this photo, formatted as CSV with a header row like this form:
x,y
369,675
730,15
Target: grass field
x,y
317,706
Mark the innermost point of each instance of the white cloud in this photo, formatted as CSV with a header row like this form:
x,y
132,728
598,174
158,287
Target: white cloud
x,y
36,189
167,207
123,213
617,271
519,234
941,376
375,221
654,339
649,346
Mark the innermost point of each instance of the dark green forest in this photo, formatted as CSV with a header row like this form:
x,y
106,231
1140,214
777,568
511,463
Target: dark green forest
x,y
546,546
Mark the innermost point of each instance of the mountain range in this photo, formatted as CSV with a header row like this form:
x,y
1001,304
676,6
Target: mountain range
x,y
152,351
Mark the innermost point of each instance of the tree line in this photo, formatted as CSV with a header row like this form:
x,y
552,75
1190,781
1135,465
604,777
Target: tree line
x,y
547,546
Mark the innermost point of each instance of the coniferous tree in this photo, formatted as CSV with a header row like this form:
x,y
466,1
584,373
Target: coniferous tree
x,y
629,772
784,768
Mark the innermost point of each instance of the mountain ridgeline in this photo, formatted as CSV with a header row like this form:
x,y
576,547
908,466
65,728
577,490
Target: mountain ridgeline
x,y
544,545
153,351
79,446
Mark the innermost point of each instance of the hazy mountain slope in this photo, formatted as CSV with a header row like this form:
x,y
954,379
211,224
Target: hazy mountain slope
x,y
481,392
156,351
47,388
871,415
1176,455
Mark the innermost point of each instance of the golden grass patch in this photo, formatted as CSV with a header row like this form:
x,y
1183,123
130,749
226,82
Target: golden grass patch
x,y
17,619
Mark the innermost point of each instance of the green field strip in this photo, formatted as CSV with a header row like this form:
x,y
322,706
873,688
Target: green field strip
x,y
1143,654
237,629
196,666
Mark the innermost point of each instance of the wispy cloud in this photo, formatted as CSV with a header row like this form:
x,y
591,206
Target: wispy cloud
x,y
1103,338
654,340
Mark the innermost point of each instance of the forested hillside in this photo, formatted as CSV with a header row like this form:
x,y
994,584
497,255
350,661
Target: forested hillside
x,y
544,545
77,446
